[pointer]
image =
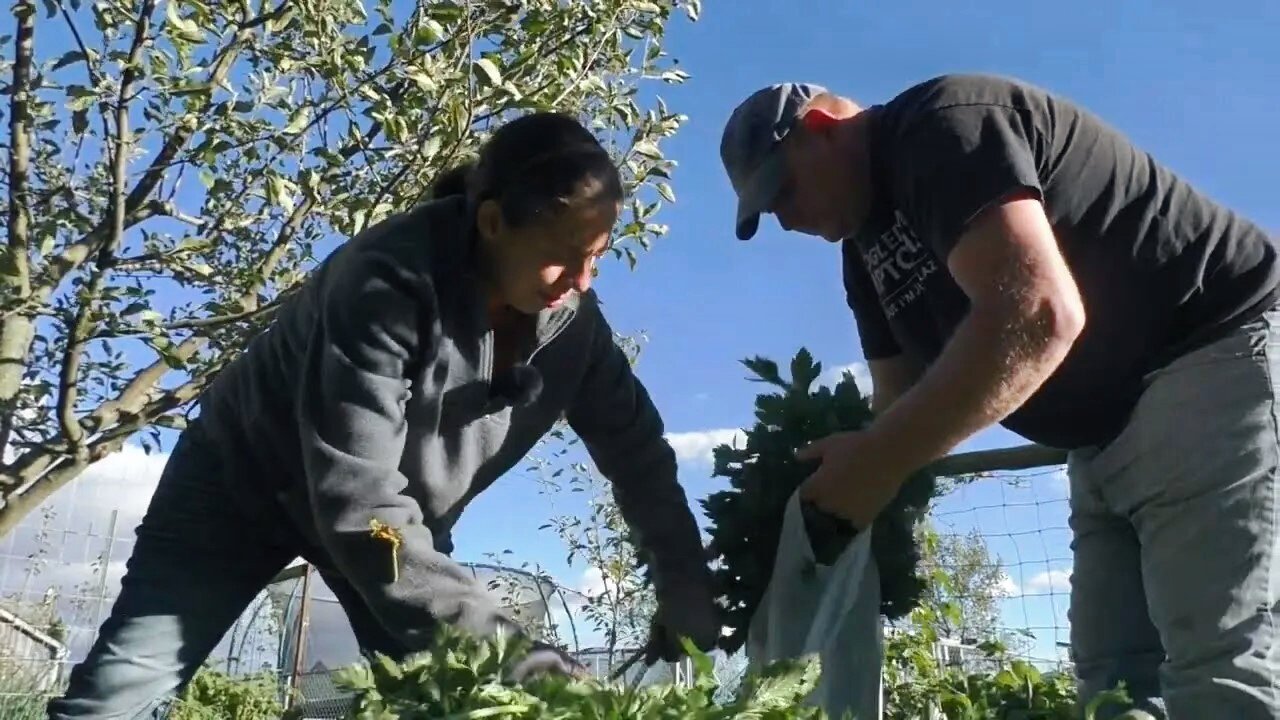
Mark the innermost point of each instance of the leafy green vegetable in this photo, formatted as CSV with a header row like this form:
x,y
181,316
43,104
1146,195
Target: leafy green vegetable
x,y
464,677
214,695
746,519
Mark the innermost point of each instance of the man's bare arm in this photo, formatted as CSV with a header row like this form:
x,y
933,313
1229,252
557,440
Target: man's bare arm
x,y
891,378
1025,314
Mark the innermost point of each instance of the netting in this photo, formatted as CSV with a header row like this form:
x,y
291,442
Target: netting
x,y
1008,542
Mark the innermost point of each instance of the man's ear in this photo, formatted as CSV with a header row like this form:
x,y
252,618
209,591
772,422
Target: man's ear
x,y
819,121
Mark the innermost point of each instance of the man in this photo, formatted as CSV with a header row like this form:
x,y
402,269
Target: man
x,y
1011,259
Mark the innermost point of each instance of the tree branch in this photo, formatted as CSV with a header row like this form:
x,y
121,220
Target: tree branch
x,y
171,400
112,423
124,140
265,18
20,150
142,261
40,294
132,398
84,49
16,331
81,327
6,430
268,265
69,374
18,505
76,253
206,323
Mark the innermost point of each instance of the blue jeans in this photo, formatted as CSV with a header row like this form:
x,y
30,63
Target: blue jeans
x,y
1176,580
199,561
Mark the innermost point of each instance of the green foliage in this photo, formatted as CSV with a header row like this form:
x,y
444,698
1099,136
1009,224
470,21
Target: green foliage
x,y
916,683
179,166
620,608
990,683
964,585
464,677
214,695
746,519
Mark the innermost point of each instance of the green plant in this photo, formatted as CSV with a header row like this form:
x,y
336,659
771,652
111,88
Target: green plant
x,y
965,585
746,519
990,684
916,684
618,609
463,677
214,695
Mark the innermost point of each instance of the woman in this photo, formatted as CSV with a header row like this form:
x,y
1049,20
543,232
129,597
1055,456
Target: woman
x,y
417,364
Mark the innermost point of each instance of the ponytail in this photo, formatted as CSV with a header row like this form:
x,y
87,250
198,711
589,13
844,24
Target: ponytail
x,y
452,182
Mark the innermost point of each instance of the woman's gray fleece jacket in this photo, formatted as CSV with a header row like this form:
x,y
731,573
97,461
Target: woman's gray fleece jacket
x,y
370,403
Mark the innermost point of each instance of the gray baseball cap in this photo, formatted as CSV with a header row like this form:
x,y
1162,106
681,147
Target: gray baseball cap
x,y
749,147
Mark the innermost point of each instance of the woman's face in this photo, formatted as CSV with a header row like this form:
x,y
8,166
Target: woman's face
x,y
535,267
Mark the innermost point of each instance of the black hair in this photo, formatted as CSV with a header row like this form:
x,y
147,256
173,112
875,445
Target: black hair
x,y
452,182
533,167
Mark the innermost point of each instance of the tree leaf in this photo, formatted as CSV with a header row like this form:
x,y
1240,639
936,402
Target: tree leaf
x,y
68,58
485,68
648,149
184,28
298,120
664,189
430,31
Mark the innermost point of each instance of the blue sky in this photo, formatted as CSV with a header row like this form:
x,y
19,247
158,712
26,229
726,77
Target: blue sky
x,y
1194,83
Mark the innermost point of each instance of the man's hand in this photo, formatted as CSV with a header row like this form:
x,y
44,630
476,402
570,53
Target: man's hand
x,y
857,477
685,609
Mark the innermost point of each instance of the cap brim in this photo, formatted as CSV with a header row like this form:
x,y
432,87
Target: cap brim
x,y
758,194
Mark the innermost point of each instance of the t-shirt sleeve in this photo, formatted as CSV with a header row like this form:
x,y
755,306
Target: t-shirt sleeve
x,y
874,334
953,163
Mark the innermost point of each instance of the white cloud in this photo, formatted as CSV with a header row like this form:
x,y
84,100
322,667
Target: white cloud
x,y
592,583
1006,587
123,482
861,375
1055,581
60,544
696,446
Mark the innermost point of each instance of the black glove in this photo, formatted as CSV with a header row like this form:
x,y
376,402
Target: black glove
x,y
543,659
686,608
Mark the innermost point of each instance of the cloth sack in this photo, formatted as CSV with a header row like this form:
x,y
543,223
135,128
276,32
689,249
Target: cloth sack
x,y
832,611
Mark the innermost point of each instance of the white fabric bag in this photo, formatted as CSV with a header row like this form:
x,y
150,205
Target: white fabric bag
x,y
832,611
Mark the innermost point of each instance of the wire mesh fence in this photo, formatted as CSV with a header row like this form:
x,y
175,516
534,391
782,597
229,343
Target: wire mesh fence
x,y
1005,542
1004,535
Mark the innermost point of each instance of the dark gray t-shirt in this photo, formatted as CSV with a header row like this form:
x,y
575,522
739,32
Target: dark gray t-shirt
x,y
1162,268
